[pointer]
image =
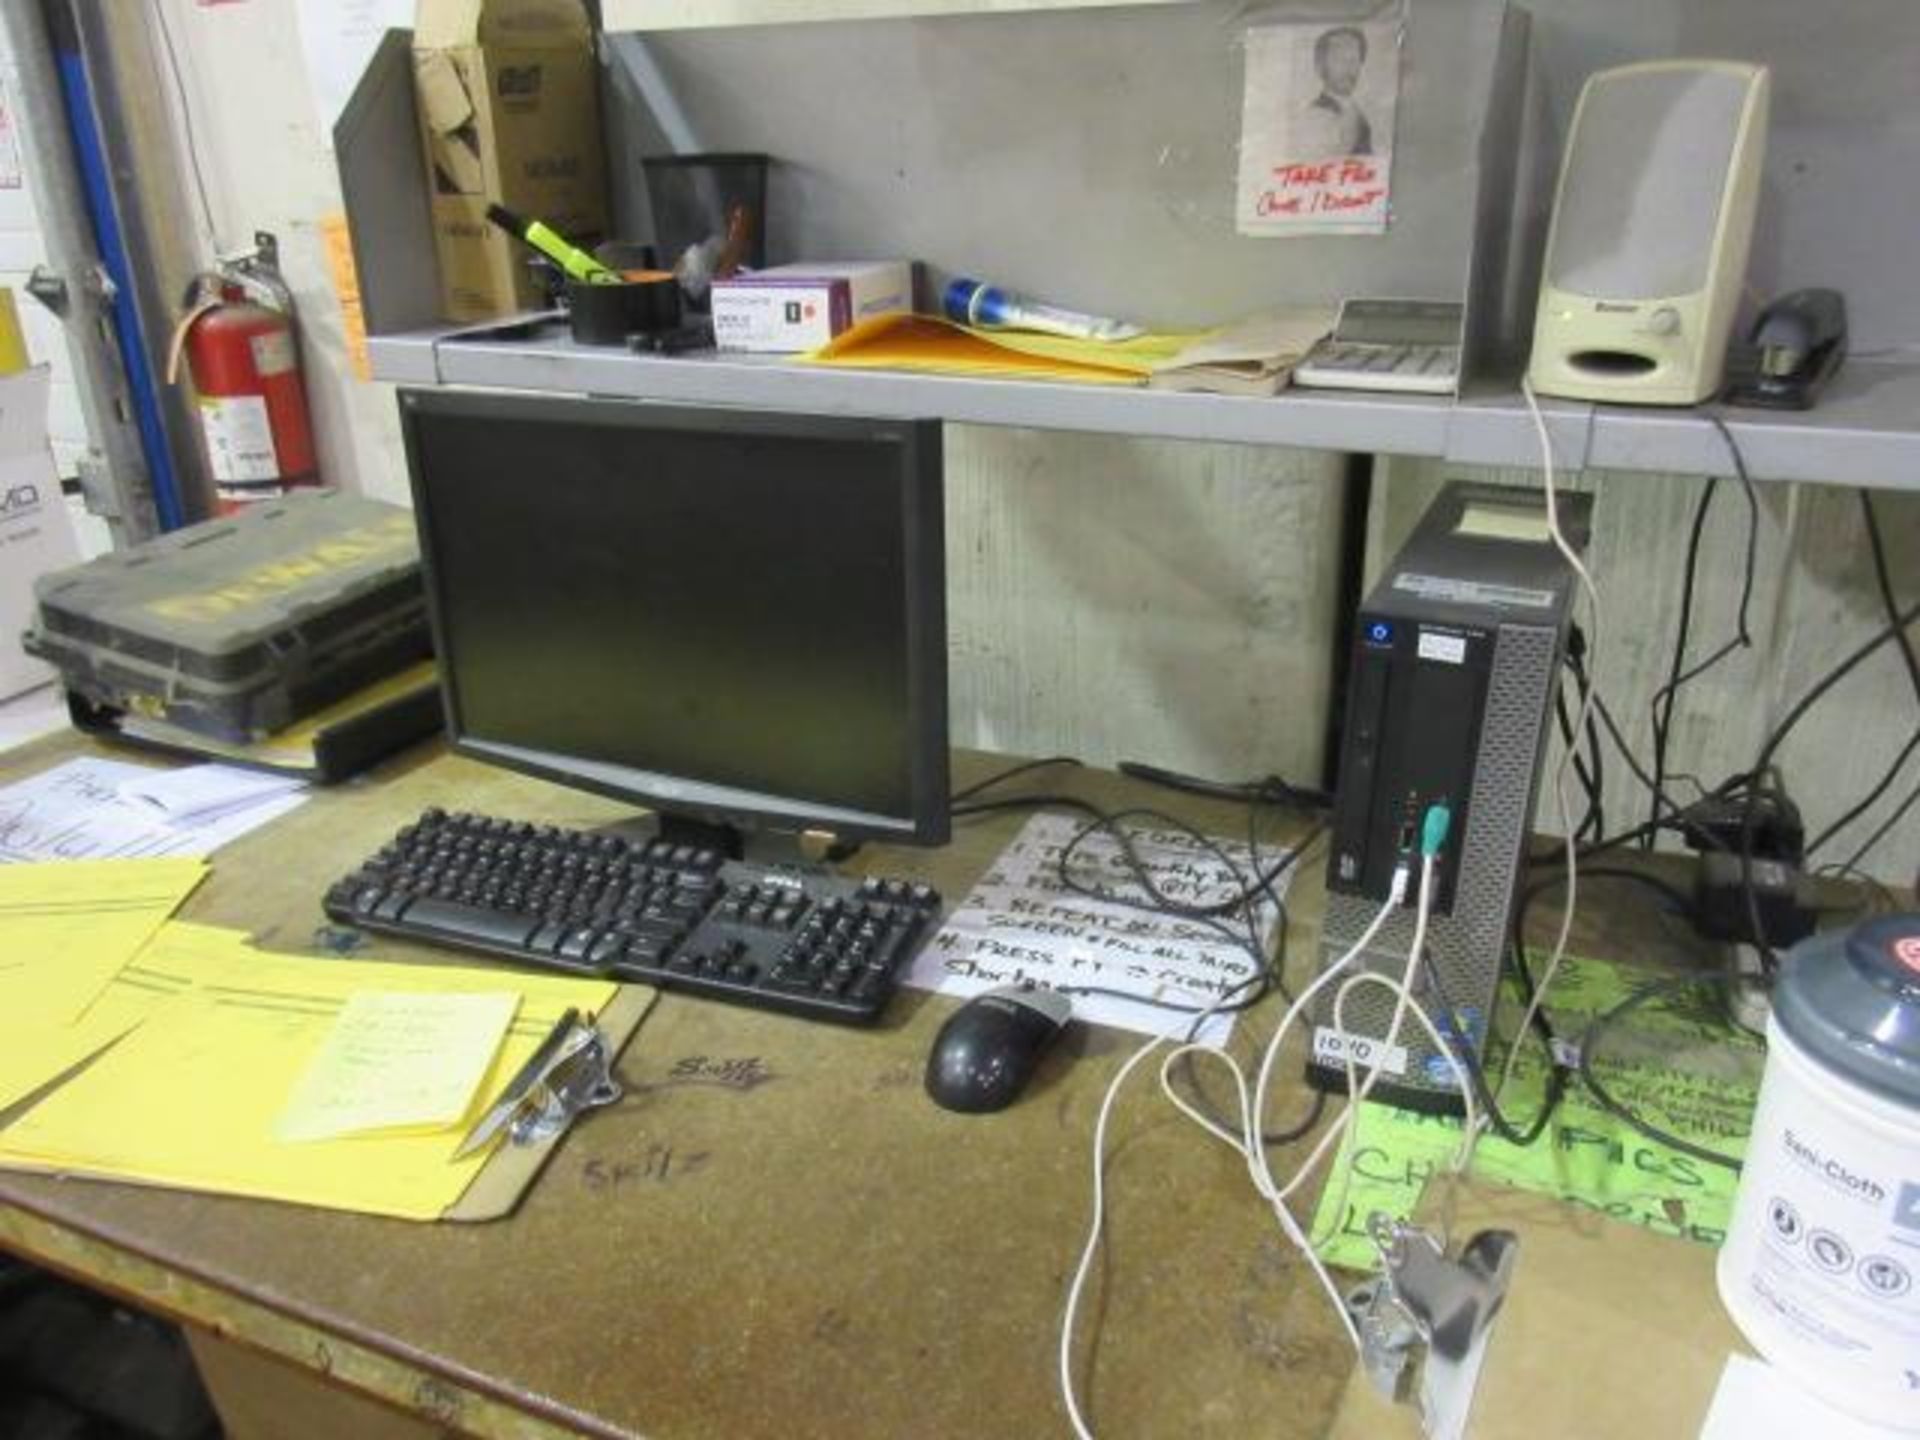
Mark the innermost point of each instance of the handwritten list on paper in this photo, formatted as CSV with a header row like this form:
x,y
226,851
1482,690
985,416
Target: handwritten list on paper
x,y
78,811
1317,128
397,1061
1021,923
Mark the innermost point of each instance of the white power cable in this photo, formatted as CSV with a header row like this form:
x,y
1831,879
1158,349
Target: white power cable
x,y
1570,905
1097,1221
1336,1133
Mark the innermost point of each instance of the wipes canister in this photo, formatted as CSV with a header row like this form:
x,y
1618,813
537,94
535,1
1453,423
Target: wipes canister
x,y
1821,1268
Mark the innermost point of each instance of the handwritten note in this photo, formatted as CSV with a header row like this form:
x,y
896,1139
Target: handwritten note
x,y
397,1061
1020,923
76,811
1316,128
1682,1067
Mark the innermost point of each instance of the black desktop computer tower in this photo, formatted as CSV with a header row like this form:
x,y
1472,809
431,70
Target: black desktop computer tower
x,y
1456,658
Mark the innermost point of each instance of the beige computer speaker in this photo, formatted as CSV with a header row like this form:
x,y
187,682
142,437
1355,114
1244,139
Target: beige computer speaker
x,y
1647,252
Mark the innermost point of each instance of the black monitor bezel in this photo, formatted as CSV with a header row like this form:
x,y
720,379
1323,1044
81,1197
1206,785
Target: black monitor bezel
x,y
921,480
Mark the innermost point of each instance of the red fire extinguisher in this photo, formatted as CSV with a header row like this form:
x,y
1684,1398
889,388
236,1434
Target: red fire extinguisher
x,y
243,355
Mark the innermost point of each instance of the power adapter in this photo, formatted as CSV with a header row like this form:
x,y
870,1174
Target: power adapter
x,y
1782,898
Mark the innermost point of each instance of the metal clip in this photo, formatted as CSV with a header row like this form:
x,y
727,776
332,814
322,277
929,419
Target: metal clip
x,y
570,1073
1424,1299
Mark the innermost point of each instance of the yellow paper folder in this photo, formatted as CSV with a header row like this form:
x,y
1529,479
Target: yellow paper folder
x,y
921,342
190,1097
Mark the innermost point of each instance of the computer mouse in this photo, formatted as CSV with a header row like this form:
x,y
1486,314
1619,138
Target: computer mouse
x,y
989,1047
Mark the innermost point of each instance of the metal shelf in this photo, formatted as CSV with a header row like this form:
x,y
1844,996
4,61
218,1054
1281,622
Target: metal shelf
x,y
1865,432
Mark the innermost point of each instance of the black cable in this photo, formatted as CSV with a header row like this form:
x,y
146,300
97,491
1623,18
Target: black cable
x,y
1734,785
1157,901
186,120
1682,901
1890,604
1871,798
1001,777
1665,698
1596,759
1749,819
1591,770
1592,818
1199,1097
1212,914
1523,976
1463,1055
1853,860
1268,789
1878,545
1267,974
1590,1046
1881,896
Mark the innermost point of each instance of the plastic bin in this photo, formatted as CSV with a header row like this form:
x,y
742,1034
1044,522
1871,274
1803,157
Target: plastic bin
x,y
238,627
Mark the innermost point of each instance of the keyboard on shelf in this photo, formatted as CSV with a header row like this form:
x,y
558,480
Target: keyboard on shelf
x,y
671,915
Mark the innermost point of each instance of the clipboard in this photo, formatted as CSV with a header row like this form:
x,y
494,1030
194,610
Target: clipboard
x,y
70,1130
495,1192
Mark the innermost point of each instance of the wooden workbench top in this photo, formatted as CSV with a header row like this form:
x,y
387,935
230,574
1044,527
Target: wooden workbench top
x,y
775,1234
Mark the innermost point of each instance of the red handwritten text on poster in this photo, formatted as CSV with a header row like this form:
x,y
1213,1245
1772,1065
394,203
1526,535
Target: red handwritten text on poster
x,y
1322,188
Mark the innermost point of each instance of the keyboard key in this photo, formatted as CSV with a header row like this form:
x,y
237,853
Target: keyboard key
x,y
467,922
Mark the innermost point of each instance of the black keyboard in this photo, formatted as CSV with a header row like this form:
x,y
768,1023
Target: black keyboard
x,y
671,915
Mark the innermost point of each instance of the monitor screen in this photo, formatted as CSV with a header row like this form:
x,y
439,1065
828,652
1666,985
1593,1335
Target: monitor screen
x,y
722,614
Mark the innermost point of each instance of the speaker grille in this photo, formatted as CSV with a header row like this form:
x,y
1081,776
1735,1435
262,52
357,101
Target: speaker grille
x,y
1645,172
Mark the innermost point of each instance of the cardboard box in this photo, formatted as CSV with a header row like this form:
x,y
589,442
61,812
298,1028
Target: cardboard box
x,y
509,104
35,534
803,306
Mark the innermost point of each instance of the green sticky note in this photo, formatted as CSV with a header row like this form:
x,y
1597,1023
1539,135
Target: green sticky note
x,y
1679,1065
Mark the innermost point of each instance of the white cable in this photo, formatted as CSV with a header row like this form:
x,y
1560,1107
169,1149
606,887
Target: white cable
x,y
1252,1110
1570,904
1093,1232
1471,1110
1356,1097
1254,1120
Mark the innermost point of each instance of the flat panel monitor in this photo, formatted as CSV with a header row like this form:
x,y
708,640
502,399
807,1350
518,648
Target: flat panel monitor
x,y
731,617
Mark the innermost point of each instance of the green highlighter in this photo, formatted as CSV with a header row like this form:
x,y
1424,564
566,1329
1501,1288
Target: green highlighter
x,y
555,246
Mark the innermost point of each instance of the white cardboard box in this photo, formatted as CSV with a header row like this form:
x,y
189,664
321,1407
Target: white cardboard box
x,y
35,533
803,306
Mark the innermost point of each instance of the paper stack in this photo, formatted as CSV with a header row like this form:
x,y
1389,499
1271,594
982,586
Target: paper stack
x,y
1253,357
95,809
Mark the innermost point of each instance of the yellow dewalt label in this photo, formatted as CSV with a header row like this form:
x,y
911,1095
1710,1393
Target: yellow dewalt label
x,y
288,573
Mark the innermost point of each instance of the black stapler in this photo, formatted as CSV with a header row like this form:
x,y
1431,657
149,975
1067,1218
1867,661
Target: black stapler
x,y
1797,343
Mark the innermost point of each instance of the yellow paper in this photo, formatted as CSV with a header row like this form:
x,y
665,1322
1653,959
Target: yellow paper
x,y
921,342
32,1056
341,269
397,1060
190,1097
67,926
179,957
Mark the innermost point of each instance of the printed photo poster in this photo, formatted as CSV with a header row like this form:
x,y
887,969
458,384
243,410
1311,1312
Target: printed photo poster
x,y
1316,133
